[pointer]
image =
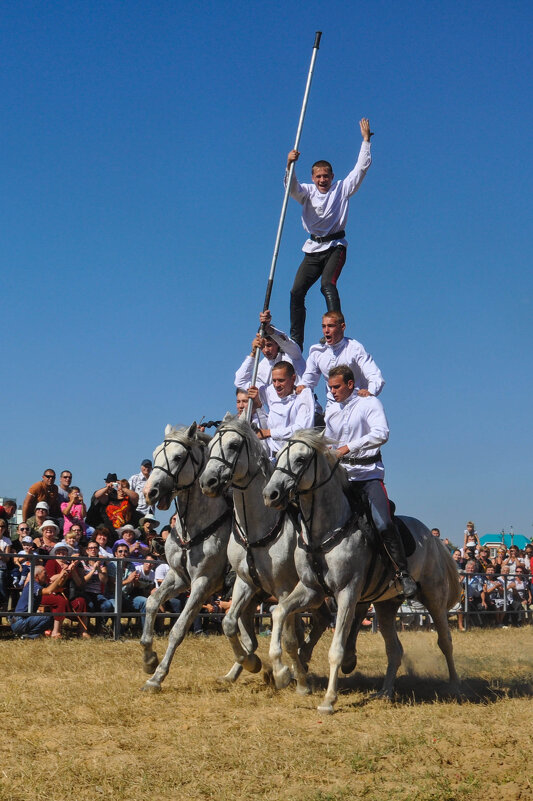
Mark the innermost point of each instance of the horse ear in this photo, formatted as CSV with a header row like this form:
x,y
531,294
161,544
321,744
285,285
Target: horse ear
x,y
168,429
323,433
191,431
227,416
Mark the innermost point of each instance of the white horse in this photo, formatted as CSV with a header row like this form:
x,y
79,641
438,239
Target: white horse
x,y
261,547
195,549
335,557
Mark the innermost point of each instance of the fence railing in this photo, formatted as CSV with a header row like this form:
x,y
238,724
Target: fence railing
x,y
469,609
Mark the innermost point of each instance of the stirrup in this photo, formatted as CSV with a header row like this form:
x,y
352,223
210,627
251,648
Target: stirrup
x,y
407,583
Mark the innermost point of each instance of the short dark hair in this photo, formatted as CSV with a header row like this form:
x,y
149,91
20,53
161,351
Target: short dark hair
x,y
287,366
322,163
344,371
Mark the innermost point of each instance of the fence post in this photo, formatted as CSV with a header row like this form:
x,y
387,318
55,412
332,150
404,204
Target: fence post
x,y
118,599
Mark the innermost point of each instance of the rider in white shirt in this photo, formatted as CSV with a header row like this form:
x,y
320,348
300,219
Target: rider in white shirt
x,y
359,426
287,411
276,346
338,349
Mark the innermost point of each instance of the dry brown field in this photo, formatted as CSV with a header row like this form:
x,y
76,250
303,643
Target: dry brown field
x,y
76,726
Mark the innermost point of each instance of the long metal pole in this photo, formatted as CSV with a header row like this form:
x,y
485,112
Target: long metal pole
x,y
284,211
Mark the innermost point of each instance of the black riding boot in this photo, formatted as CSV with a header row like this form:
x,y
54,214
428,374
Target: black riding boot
x,y
298,318
331,294
394,547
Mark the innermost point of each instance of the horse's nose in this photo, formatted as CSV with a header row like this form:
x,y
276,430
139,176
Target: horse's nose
x,y
272,496
151,493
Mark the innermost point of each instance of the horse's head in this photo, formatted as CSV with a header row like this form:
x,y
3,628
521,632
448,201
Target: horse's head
x,y
177,463
235,457
300,467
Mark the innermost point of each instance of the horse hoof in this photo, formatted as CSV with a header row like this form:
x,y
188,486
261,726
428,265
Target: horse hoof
x,y
283,678
382,695
326,709
150,664
148,687
303,689
268,676
252,663
349,665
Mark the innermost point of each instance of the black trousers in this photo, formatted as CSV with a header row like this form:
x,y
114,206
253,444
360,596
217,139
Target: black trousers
x,y
381,515
326,263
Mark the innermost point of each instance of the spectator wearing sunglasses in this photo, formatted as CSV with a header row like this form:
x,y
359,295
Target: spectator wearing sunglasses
x,y
45,490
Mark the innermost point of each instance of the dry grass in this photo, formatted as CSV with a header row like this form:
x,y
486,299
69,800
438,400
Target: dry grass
x,y
77,727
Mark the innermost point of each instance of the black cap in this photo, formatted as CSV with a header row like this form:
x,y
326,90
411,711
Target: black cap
x,y
146,463
110,477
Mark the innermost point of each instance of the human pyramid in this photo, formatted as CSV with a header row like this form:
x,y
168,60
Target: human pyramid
x,y
234,492
282,397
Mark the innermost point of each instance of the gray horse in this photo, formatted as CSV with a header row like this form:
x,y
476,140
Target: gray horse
x,y
195,549
261,547
335,557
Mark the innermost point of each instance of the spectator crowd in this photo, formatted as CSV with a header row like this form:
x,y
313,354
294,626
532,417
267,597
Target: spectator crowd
x,y
75,550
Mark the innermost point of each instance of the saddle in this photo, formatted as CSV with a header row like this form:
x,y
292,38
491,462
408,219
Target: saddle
x,y
362,512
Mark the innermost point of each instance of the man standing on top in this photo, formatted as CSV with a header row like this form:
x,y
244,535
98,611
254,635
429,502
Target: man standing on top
x,y
287,411
324,216
339,349
276,346
359,426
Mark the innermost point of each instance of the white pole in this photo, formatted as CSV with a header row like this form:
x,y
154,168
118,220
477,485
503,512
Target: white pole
x,y
284,212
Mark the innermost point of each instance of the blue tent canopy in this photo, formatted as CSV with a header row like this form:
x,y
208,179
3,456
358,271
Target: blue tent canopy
x,y
495,539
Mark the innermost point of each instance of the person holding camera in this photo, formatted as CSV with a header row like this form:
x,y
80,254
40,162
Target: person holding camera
x,y
74,511
114,503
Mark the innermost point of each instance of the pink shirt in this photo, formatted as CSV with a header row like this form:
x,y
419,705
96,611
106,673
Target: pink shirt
x,y
74,516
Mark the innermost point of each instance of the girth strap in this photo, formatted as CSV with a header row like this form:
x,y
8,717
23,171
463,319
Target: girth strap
x,y
243,540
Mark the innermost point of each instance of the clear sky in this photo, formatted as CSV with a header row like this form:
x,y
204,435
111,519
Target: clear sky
x,y
143,147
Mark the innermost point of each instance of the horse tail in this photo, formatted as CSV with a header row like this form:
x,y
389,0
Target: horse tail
x,y
454,585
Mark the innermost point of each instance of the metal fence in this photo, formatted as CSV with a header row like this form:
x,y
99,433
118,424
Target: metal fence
x,y
411,613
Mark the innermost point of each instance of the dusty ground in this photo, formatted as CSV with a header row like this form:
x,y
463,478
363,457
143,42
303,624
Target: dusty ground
x,y
75,725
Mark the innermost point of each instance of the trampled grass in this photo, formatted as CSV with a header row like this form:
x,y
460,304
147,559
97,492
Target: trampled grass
x,y
76,726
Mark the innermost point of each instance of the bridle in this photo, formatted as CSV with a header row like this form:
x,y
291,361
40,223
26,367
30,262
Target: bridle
x,y
231,465
297,475
197,466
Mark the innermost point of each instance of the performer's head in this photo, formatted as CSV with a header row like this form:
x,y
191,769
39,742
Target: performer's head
x,y
242,399
283,379
269,348
333,326
341,382
322,176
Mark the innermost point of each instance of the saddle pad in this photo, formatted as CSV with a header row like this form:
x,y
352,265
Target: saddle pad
x,y
408,540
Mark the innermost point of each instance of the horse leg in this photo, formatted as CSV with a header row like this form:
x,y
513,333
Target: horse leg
x,y
320,621
438,612
350,653
345,613
243,648
170,586
201,589
290,644
386,614
299,599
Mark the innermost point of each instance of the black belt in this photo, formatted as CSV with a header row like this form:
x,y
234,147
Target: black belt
x,y
364,460
328,238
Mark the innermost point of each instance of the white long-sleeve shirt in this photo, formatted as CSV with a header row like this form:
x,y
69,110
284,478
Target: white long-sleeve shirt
x,y
289,352
348,351
286,415
325,213
359,423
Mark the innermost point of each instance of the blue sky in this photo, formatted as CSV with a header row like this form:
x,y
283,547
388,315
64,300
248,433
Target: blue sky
x,y
143,147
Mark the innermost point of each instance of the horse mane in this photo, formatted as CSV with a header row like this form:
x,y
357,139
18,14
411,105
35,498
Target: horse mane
x,y
180,434
256,450
317,441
